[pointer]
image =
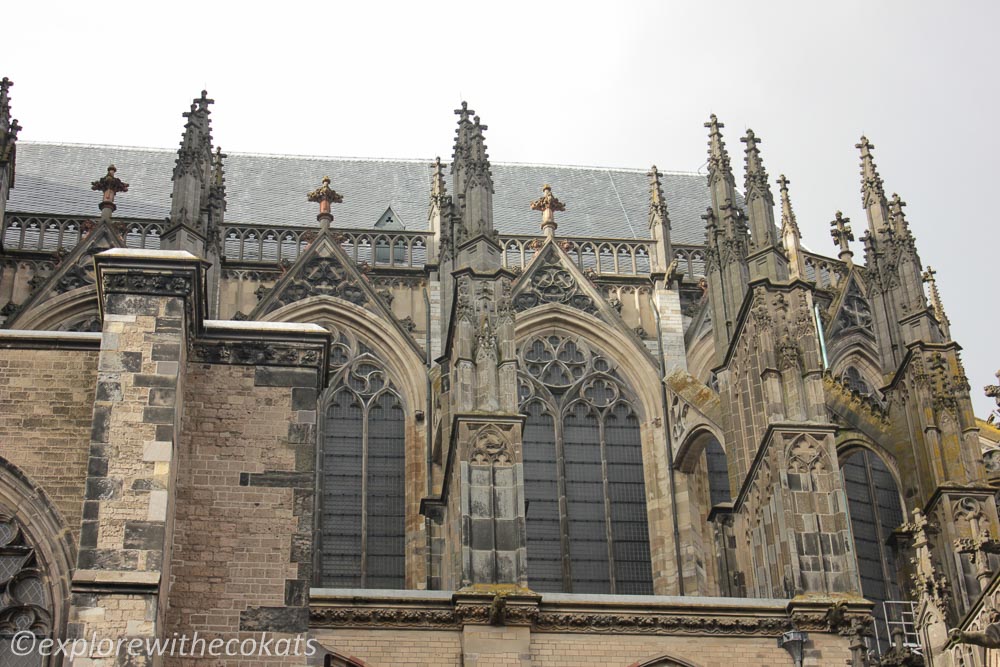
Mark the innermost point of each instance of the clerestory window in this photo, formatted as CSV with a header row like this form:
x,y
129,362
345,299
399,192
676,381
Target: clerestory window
x,y
586,519
362,515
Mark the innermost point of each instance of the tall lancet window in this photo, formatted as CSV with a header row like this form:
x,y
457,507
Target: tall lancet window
x,y
362,516
875,511
24,605
583,475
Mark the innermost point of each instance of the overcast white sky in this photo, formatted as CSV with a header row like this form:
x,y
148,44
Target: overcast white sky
x,y
624,84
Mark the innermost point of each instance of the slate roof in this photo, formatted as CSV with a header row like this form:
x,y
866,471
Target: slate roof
x,y
270,190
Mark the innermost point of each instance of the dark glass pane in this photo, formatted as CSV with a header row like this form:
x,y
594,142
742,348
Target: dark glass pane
x,y
342,465
718,473
627,491
875,512
386,494
541,491
588,529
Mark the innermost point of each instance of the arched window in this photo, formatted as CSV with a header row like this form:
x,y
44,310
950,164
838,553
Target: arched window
x,y
875,511
362,476
24,603
854,381
582,452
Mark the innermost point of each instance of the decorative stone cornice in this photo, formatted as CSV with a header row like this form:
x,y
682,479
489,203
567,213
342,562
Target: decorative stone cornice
x,y
158,284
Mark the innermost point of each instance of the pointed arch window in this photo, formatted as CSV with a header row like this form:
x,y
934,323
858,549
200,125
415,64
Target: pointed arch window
x,y
362,485
583,476
875,512
24,603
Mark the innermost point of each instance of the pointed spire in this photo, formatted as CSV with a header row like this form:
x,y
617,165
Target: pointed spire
x,y
472,178
871,183
195,154
719,166
109,185
791,237
842,235
787,214
548,205
937,306
898,218
657,202
324,195
756,176
438,189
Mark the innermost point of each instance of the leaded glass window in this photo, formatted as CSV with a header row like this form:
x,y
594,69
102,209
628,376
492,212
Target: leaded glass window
x,y
24,603
718,473
362,514
583,477
875,511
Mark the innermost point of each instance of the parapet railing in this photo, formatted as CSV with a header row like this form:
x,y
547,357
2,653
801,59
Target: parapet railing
x,y
256,244
604,256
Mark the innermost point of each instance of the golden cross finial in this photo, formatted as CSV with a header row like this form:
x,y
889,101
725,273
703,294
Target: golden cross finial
x,y
548,205
110,185
325,195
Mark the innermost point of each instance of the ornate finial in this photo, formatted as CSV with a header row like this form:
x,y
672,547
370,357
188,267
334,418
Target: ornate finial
x,y
438,188
756,177
937,305
897,216
657,202
548,205
110,185
203,101
787,214
325,195
718,157
871,182
218,172
8,128
842,235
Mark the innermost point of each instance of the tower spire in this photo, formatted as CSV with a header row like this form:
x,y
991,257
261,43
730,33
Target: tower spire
x,y
873,193
842,235
760,206
790,235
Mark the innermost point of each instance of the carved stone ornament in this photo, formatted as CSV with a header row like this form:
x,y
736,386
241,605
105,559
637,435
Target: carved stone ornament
x,y
553,283
588,622
321,276
160,284
251,353
491,448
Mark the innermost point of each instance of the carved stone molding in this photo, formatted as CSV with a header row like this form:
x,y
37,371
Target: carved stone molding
x,y
159,284
661,624
252,353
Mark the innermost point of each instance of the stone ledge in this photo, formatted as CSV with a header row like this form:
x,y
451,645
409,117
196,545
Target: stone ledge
x,y
22,339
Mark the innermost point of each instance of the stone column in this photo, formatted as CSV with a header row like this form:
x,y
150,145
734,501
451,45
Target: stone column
x,y
152,301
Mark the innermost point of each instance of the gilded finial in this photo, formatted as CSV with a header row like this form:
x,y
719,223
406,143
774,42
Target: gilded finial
x,y
842,235
324,195
548,205
110,185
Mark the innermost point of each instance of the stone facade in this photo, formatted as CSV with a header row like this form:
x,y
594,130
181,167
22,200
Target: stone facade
x,y
457,446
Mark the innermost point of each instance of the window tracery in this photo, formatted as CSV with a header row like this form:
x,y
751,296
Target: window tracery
x,y
582,452
362,472
24,603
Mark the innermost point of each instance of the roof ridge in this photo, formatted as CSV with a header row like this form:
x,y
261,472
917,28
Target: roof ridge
x,y
355,158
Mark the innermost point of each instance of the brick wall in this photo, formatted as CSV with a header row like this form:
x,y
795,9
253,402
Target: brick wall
x,y
47,399
244,497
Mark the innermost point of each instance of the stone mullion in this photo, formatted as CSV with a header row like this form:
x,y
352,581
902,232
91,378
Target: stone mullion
x,y
607,502
567,566
365,408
